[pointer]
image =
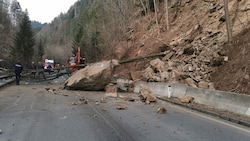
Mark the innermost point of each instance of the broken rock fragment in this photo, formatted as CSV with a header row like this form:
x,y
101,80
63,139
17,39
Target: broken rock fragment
x,y
147,95
103,100
111,91
203,84
157,65
161,110
120,106
191,82
81,101
129,98
186,99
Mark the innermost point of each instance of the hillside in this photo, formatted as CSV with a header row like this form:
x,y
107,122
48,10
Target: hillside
x,y
196,46
197,52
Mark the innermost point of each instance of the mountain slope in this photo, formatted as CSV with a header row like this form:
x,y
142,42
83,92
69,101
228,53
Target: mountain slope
x,y
196,46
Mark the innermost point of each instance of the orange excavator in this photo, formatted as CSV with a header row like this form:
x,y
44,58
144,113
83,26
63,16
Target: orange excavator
x,y
75,62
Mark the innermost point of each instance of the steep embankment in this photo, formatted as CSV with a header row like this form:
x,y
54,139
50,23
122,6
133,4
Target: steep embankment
x,y
195,44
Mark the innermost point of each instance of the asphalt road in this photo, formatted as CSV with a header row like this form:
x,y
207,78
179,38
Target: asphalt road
x,y
32,113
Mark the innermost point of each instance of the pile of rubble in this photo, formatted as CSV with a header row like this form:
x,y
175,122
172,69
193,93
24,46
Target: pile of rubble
x,y
194,54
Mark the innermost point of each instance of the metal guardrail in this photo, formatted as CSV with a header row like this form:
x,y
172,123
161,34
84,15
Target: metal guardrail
x,y
6,79
38,74
6,76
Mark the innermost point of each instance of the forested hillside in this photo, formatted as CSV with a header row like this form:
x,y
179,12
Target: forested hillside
x,y
192,33
5,31
95,26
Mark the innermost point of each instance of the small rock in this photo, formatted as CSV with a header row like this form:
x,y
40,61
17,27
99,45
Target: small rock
x,y
80,102
246,77
120,107
129,98
103,100
65,94
111,91
186,99
82,99
161,110
136,75
191,82
225,58
97,103
203,84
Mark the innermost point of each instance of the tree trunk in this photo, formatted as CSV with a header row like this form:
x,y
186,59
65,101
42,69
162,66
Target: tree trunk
x,y
229,31
156,17
144,8
142,57
166,14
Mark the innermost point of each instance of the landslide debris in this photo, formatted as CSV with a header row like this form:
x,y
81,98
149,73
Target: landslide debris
x,y
195,45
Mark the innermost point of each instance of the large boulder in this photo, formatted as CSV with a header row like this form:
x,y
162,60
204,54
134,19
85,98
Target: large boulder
x,y
93,77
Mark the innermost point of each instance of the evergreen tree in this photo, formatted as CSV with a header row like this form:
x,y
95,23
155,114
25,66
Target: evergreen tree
x,y
77,39
40,51
5,31
24,42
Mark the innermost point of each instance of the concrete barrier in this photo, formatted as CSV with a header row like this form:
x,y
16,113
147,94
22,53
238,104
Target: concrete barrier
x,y
238,103
161,89
234,102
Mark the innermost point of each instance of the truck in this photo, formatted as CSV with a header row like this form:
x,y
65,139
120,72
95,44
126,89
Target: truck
x,y
75,62
48,64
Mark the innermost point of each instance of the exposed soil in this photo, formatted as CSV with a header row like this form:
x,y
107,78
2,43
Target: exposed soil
x,y
232,75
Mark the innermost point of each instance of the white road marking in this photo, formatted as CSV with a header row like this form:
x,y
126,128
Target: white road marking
x,y
33,102
212,119
15,103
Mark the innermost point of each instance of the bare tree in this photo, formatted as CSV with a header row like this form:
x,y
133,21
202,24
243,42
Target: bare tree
x,y
156,17
144,8
166,14
229,30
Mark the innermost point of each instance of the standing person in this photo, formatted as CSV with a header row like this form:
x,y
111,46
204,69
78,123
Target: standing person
x,y
40,68
18,71
33,69
49,68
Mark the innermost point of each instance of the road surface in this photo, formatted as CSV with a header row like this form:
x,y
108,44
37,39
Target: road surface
x,y
44,112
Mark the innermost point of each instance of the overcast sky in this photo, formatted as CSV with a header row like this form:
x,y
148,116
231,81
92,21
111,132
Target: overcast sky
x,y
45,10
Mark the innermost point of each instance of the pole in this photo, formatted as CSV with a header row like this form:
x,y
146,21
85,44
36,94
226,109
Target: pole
x,y
229,30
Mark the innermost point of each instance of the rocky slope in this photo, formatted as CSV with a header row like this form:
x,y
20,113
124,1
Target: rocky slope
x,y
196,46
